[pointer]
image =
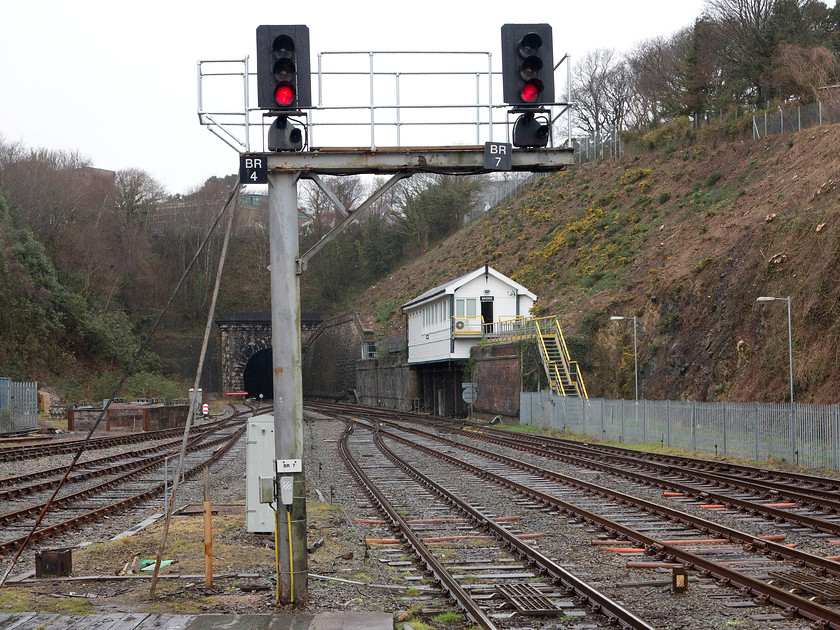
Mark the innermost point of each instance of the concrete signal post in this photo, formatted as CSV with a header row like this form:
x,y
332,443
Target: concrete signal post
x,y
290,493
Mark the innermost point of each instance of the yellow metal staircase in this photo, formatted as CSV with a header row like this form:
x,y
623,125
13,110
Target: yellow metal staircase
x,y
564,375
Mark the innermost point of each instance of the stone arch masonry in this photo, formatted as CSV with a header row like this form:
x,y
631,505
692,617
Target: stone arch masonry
x,y
246,334
333,350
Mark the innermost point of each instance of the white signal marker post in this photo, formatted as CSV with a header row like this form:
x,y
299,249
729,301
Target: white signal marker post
x,y
292,566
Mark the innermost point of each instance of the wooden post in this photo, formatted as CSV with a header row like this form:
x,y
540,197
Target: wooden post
x,y
208,531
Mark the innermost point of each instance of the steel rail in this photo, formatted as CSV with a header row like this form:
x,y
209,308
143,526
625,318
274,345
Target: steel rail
x,y
85,474
539,446
781,551
68,500
690,462
824,499
93,515
791,603
752,507
596,600
440,573
725,474
65,446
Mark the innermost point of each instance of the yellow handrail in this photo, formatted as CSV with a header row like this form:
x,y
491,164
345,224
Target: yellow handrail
x,y
549,365
520,327
567,356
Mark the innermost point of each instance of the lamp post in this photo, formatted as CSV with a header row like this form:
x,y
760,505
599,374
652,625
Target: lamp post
x,y
790,336
793,431
616,318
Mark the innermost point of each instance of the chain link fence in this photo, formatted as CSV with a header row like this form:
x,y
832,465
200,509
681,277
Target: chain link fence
x,y
607,143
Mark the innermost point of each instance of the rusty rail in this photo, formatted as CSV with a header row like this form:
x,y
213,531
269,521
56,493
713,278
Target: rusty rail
x,y
45,532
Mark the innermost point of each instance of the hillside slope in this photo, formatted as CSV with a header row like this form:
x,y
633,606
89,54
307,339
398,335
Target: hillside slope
x,y
685,238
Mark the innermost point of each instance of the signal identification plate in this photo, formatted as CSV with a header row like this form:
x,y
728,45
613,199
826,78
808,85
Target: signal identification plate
x,y
289,465
497,156
253,169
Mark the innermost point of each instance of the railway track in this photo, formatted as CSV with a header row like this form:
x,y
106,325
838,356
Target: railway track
x,y
114,496
133,483
822,492
776,502
627,521
802,500
59,445
25,483
499,584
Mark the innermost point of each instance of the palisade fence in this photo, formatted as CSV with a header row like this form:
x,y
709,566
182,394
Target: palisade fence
x,y
795,118
18,406
803,434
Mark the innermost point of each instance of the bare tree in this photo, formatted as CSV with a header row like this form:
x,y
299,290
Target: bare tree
x,y
322,212
138,196
802,71
658,76
617,96
41,182
600,91
753,30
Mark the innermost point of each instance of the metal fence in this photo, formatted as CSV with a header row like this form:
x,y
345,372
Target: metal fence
x,y
604,146
808,435
794,118
18,406
607,144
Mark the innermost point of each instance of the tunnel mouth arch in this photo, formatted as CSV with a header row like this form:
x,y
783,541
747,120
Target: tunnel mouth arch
x,y
257,378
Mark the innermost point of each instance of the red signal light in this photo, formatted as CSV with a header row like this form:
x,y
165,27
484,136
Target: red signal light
x,y
284,95
527,65
530,92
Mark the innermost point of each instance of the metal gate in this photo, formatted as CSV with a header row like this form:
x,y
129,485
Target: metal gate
x,y
18,406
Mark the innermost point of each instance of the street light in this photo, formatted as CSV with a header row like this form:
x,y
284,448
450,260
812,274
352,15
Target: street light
x,y
790,336
616,318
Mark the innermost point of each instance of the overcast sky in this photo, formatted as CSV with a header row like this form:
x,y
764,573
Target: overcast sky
x,y
117,80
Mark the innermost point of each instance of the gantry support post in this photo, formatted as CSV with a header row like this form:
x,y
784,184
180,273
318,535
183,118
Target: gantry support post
x,y
288,390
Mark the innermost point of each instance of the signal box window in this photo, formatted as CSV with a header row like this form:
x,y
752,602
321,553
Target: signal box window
x,y
465,306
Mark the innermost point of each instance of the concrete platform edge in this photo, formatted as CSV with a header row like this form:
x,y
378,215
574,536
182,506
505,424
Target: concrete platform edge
x,y
352,621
